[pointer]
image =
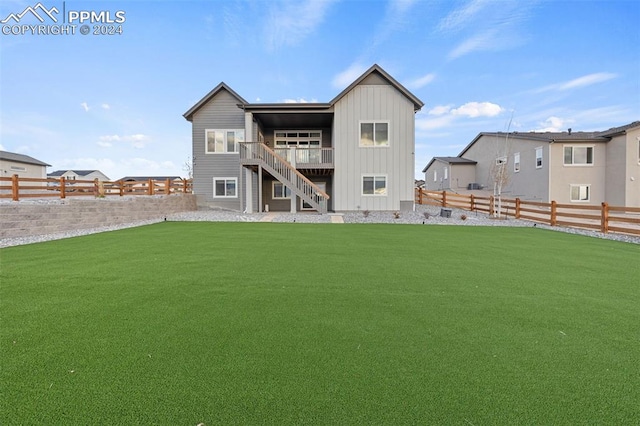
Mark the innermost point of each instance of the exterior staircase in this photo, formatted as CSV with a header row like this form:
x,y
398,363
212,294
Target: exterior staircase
x,y
257,153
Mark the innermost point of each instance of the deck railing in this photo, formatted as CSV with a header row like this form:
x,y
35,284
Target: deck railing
x,y
603,218
257,153
321,158
17,188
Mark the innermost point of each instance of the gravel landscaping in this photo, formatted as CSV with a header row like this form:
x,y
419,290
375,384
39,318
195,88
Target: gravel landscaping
x,y
423,215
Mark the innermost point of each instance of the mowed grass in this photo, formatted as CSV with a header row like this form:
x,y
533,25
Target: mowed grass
x,y
235,323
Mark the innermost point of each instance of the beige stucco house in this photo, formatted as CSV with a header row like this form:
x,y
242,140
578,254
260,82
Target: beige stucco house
x,y
566,167
22,165
71,175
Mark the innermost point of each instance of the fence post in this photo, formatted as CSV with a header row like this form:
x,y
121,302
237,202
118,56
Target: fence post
x,y
604,218
185,183
554,217
491,205
121,187
517,208
15,193
421,195
96,190
167,186
150,190
444,198
472,202
63,187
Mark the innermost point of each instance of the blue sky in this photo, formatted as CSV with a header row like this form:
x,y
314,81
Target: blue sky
x,y
115,102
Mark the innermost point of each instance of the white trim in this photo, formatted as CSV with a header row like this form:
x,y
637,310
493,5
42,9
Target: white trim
x,y
576,185
285,189
322,185
238,132
516,155
374,122
446,173
225,179
541,157
374,176
573,163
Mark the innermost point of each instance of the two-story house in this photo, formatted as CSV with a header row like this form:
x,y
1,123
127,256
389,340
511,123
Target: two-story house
x,y
567,167
355,152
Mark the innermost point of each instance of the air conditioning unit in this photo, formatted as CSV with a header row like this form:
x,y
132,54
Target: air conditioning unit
x,y
474,186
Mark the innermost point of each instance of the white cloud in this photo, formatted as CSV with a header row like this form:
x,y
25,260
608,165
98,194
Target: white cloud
x,y
105,144
105,106
137,140
86,163
553,124
299,101
289,22
346,77
460,17
585,80
421,81
478,109
85,106
426,123
440,110
2,147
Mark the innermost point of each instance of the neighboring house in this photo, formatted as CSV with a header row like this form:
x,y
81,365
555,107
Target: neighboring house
x,y
419,183
449,173
355,152
71,175
22,165
566,167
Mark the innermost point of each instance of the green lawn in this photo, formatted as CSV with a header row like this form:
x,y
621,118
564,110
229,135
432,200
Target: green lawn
x,y
236,323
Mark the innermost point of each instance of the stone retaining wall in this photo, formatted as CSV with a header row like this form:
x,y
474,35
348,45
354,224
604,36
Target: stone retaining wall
x,y
38,217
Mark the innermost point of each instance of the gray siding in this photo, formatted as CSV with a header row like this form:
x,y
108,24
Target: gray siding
x,y
221,112
373,102
530,183
563,176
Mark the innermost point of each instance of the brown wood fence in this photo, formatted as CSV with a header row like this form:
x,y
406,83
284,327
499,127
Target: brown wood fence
x,y
17,188
603,218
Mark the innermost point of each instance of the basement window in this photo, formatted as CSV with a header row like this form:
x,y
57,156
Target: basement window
x,y
225,187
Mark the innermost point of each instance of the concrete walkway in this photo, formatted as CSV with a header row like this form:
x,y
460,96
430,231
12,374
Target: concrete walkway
x,y
268,217
336,218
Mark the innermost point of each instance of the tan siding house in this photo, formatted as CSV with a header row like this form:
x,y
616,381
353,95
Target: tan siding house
x,y
22,165
355,152
566,167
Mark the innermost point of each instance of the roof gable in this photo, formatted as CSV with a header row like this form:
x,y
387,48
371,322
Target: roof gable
x,y
222,86
373,75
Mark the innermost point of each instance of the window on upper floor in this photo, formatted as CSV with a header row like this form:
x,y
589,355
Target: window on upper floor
x,y
435,175
280,191
374,185
539,157
580,192
516,162
374,134
19,169
578,155
222,141
446,173
225,187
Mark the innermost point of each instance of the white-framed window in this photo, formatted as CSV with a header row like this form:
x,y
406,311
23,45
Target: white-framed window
x,y
374,134
446,173
516,162
435,175
19,169
501,160
580,193
223,141
578,155
225,187
280,191
539,157
375,185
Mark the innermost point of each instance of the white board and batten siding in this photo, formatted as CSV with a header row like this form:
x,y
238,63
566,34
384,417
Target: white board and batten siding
x,y
221,112
375,102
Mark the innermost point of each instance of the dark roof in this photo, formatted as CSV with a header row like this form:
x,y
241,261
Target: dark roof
x,y
449,160
145,178
549,137
375,68
21,158
622,129
222,86
78,172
